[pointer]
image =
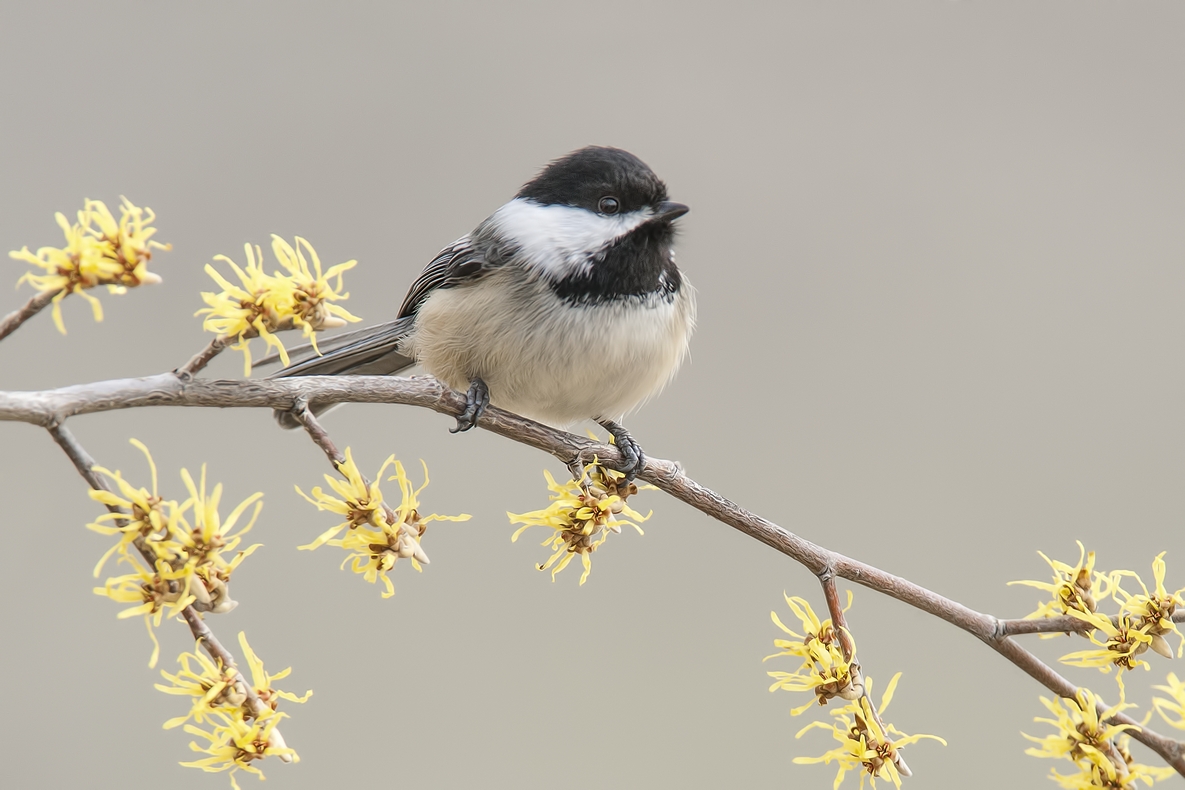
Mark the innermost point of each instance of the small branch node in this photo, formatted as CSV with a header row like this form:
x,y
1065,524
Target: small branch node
x,y
199,361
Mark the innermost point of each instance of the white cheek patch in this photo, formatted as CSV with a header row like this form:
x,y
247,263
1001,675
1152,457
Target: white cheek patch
x,y
561,240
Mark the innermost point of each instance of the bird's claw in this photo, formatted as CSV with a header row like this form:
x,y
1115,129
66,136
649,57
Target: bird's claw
x,y
476,401
632,457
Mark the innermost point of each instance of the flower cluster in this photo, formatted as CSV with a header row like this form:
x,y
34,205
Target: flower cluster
x,y
186,542
99,251
1152,612
378,536
1141,623
240,731
829,669
865,742
1098,750
153,595
301,296
1075,588
234,743
825,669
582,514
1120,644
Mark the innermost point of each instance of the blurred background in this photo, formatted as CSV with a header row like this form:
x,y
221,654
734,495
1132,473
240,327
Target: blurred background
x,y
938,248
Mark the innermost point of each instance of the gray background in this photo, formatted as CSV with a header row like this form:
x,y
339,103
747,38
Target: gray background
x,y
938,248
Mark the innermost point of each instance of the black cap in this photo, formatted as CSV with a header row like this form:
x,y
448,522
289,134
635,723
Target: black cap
x,y
583,177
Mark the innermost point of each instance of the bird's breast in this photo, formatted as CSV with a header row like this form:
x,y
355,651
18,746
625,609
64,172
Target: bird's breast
x,y
547,358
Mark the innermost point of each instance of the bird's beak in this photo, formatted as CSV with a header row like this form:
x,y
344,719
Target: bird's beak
x,y
668,211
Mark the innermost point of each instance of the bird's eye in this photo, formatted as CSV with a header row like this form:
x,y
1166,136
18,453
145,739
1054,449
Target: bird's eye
x,y
608,205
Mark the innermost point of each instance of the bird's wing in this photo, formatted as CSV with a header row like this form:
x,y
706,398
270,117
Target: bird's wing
x,y
325,345
457,263
374,350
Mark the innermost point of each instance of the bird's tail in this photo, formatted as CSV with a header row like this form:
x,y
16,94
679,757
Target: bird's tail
x,y
371,351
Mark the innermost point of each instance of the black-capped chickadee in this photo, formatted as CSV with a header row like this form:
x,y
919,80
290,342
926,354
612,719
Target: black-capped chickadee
x,y
564,305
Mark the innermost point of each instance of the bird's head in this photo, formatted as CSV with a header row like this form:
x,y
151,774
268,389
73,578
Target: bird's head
x,y
590,206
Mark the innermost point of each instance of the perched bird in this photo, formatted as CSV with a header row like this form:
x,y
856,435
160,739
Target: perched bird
x,y
564,305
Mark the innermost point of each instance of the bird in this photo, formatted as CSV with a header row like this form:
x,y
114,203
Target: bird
x,y
563,305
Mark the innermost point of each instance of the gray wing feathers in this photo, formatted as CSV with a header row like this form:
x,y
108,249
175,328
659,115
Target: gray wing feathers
x,y
454,264
372,351
326,345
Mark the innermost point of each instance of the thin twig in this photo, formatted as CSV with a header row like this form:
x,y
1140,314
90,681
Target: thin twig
x,y
201,359
838,621
85,464
35,305
50,407
839,624
1053,625
304,415
81,459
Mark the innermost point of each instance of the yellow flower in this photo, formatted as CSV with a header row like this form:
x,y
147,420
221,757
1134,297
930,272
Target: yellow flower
x,y
1153,612
217,688
864,742
128,240
375,538
360,503
79,264
1172,710
824,668
145,518
98,251
189,556
582,514
234,743
1098,749
1073,587
312,294
261,681
263,304
1082,733
247,310
1091,776
199,548
212,686
1125,641
154,595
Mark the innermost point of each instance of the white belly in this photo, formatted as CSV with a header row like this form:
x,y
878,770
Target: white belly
x,y
554,366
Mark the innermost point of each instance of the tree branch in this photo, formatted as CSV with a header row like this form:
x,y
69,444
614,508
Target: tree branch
x,y
35,305
1053,625
49,408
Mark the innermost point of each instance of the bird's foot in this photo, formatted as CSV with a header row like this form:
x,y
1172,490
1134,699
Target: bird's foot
x,y
476,401
632,457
